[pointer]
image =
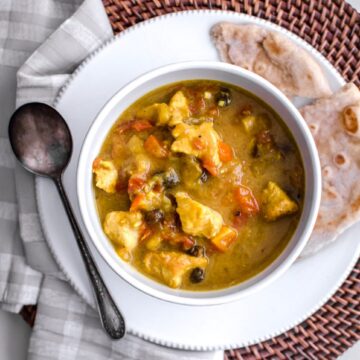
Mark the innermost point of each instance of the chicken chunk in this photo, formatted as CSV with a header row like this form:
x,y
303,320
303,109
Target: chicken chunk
x,y
124,228
106,175
171,266
138,161
158,112
174,113
201,141
276,203
179,109
151,200
197,219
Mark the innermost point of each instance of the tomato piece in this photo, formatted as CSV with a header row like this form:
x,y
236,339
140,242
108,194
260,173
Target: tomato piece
x,y
200,104
137,125
225,152
214,111
136,204
246,110
125,126
184,240
96,163
153,146
246,200
210,166
240,219
224,239
187,242
135,184
196,102
198,144
145,232
141,125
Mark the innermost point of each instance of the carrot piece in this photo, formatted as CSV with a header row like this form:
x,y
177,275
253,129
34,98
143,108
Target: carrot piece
x,y
247,201
153,146
210,166
225,152
136,204
223,240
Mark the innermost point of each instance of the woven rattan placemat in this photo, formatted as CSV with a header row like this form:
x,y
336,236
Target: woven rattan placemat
x,y
333,28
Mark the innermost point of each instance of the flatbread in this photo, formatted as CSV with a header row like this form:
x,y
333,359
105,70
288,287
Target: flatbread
x,y
335,124
272,56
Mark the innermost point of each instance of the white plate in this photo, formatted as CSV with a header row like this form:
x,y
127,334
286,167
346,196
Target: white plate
x,y
271,311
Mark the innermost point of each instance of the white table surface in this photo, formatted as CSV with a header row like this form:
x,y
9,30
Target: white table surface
x,y
14,332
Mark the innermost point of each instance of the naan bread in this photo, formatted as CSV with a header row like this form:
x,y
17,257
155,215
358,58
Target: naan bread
x,y
335,124
272,56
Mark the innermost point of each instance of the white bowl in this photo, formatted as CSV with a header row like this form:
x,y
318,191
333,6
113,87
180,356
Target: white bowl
x,y
190,71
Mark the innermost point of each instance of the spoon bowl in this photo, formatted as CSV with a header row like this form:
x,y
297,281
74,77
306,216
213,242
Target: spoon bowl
x,y
40,139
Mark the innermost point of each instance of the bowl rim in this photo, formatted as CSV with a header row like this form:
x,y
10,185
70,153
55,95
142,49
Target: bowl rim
x,y
308,223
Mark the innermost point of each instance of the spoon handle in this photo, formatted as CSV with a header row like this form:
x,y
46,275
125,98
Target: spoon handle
x,y
110,316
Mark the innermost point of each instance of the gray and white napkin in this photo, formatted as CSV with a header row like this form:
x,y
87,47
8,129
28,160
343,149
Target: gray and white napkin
x,y
65,328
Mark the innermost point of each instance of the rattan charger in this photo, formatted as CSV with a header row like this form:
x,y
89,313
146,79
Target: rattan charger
x,y
333,28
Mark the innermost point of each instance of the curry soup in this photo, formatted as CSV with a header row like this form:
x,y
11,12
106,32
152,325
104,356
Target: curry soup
x,y
199,185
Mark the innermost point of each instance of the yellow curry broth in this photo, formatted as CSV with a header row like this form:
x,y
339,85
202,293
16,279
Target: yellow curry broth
x,y
258,241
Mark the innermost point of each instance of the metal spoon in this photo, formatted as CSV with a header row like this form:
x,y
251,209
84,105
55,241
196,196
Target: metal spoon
x,y
41,141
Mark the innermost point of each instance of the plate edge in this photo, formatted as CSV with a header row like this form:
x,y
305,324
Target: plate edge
x,y
85,62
